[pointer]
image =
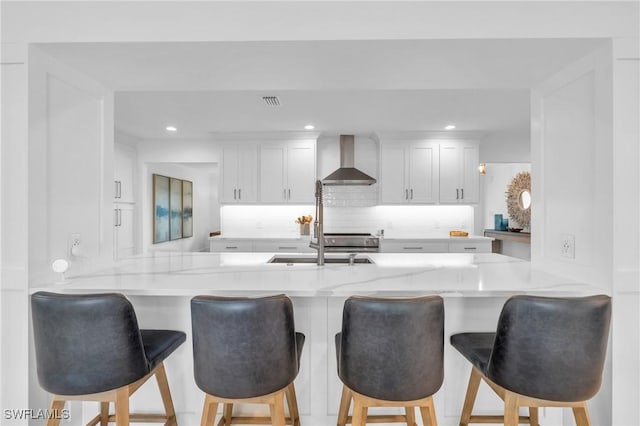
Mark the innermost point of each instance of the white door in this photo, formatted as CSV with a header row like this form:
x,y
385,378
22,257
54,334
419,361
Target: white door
x,y
469,174
422,173
272,174
123,170
449,173
229,193
393,189
247,174
124,238
301,173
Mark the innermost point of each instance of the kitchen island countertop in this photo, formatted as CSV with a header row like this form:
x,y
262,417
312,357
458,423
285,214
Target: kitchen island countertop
x,y
392,274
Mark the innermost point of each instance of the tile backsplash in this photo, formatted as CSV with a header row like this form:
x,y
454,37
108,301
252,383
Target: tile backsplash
x,y
408,221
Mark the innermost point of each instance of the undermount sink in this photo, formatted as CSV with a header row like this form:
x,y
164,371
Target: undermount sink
x,y
290,260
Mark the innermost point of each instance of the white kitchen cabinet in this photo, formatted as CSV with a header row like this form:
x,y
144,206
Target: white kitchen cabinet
x,y
470,246
282,246
459,176
124,160
408,172
287,172
413,246
239,174
264,245
230,245
436,245
124,243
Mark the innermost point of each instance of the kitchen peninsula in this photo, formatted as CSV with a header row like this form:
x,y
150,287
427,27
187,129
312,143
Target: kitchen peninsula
x,y
474,287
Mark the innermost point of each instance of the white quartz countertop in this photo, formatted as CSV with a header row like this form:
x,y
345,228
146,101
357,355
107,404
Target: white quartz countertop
x,y
393,274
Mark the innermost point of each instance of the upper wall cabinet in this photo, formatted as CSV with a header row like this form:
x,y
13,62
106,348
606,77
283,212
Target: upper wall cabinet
x,y
239,174
459,182
287,172
124,160
408,172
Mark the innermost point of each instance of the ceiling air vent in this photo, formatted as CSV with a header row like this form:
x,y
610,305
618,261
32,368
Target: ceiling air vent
x,y
271,101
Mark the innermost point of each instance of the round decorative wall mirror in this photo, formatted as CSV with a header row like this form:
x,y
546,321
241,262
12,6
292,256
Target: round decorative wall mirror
x,y
519,199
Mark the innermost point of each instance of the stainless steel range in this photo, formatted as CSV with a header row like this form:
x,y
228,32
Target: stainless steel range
x,y
349,243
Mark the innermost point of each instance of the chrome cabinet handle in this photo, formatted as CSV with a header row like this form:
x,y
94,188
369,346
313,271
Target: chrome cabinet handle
x,y
115,217
411,191
286,248
462,192
471,248
284,194
119,189
239,194
119,217
231,247
412,248
234,194
289,194
457,194
406,194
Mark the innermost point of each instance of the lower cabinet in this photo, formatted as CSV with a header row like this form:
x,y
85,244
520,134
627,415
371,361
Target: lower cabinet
x,y
435,246
264,245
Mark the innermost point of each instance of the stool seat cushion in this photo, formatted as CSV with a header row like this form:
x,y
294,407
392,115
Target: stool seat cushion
x,y
159,344
475,347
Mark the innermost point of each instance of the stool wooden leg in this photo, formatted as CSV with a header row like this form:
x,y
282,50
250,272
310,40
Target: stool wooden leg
x,y
292,402
227,414
276,406
209,411
410,413
122,407
428,413
470,397
55,412
581,415
533,416
163,385
359,413
104,413
511,414
345,402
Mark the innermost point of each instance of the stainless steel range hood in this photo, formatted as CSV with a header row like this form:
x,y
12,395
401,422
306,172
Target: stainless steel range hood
x,y
347,174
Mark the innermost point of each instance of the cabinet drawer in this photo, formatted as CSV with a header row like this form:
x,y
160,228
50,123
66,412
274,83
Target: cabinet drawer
x,y
282,246
413,247
230,246
469,247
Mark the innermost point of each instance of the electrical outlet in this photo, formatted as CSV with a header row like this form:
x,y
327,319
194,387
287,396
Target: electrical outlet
x,y
74,244
567,246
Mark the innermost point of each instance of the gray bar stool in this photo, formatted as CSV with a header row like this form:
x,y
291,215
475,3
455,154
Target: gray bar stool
x,y
89,348
390,354
546,352
246,350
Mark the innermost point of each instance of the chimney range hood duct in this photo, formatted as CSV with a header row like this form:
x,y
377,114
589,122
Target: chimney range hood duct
x,y
347,174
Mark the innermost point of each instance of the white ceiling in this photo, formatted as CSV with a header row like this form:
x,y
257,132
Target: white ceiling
x,y
339,86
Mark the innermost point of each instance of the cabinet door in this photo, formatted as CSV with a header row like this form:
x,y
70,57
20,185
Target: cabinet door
x,y
247,174
272,174
393,188
422,173
229,190
123,170
469,178
449,173
301,173
124,237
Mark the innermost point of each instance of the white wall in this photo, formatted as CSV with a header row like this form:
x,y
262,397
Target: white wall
x,y
572,148
203,204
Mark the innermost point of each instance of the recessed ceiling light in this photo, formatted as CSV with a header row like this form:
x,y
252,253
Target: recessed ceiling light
x,y
172,128
450,127
309,127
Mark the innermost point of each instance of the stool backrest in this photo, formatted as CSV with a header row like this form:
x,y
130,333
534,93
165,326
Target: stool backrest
x,y
551,348
392,349
86,343
243,347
